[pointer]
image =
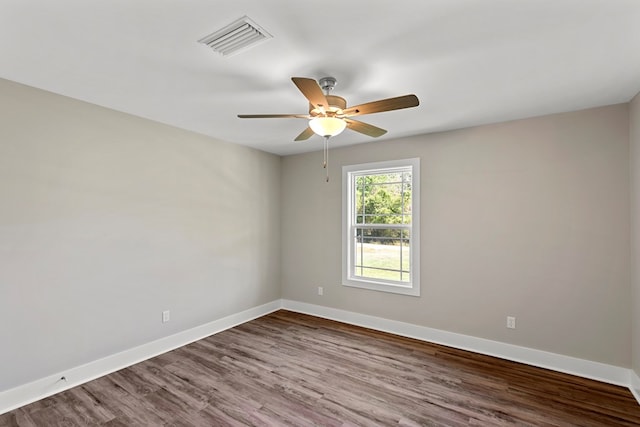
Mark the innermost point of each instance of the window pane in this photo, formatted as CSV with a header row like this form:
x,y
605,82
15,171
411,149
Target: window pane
x,y
385,177
406,258
406,198
382,254
388,218
373,273
381,235
383,198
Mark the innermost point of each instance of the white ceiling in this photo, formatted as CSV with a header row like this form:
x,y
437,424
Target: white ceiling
x,y
469,61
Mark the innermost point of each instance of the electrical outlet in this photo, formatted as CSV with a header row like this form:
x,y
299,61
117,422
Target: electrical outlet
x,y
166,316
511,322
320,290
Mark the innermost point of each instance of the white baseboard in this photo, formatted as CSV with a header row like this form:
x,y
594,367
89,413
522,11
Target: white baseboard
x,y
634,384
570,365
39,389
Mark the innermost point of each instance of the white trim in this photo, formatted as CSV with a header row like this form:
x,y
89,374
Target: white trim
x,y
39,389
52,384
543,359
634,384
413,287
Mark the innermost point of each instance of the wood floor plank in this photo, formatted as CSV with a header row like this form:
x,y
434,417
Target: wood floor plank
x,y
292,369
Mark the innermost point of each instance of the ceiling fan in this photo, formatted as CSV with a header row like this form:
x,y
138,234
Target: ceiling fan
x,y
329,115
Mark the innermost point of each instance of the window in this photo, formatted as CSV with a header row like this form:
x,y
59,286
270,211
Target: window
x,y
381,231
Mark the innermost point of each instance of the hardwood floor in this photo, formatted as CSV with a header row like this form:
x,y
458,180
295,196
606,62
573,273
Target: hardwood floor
x,y
293,369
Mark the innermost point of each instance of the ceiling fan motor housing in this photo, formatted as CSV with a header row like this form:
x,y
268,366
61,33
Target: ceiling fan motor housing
x,y
336,105
327,84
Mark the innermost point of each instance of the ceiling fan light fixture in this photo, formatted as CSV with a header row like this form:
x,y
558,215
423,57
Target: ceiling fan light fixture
x,y
327,126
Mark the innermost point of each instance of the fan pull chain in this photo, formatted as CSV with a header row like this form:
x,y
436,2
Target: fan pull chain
x,y
325,164
324,152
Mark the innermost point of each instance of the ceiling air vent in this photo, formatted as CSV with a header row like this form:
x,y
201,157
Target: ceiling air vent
x,y
236,36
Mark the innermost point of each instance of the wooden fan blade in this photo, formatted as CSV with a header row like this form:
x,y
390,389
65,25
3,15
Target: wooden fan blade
x,y
389,104
365,128
306,134
273,116
311,90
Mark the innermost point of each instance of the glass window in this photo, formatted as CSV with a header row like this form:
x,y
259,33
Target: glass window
x,y
380,226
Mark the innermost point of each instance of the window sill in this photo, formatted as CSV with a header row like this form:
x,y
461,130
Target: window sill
x,y
409,289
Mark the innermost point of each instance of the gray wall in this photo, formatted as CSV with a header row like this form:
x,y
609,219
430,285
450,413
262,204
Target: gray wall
x,y
528,218
107,219
634,139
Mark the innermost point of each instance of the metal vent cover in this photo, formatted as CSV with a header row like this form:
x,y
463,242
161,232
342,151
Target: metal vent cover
x,y
238,35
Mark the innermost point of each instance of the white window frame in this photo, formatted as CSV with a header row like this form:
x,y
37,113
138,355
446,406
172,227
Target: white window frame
x,y
348,228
